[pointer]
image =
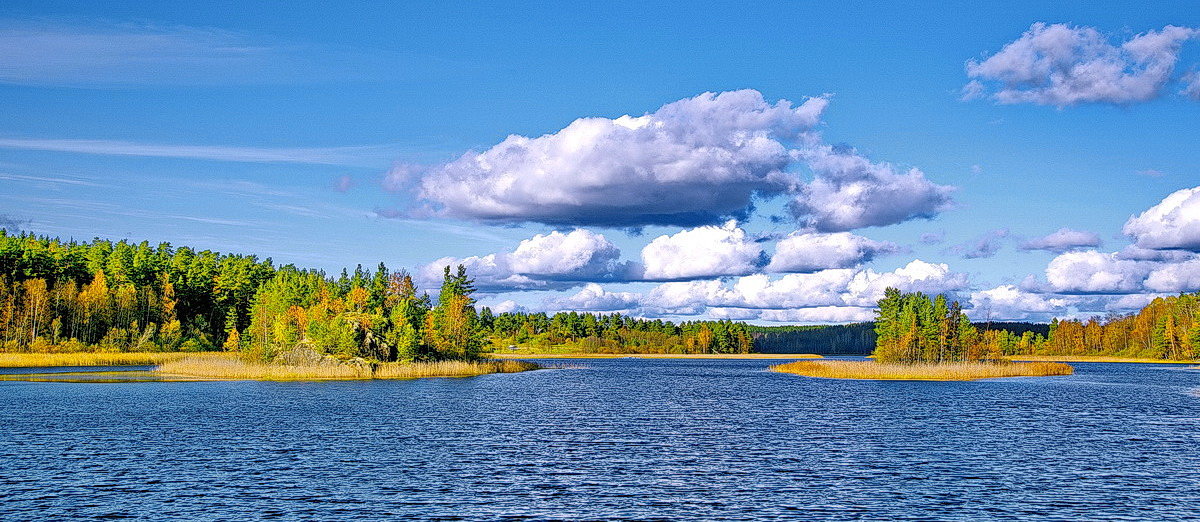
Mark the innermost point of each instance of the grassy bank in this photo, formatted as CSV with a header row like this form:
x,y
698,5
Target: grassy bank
x,y
1092,358
38,360
957,371
656,355
216,366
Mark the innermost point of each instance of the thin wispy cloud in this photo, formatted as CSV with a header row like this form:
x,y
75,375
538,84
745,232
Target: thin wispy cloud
x,y
49,180
121,55
354,156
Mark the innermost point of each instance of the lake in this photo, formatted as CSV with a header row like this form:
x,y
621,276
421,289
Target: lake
x,y
619,438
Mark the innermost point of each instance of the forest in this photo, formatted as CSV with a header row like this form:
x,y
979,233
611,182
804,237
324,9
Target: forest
x,y
916,327
66,296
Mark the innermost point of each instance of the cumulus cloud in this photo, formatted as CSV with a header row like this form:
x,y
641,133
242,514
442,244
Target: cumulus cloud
x,y
696,161
811,251
835,287
1009,303
691,162
1175,277
1174,223
593,297
836,295
539,263
849,191
707,251
1096,272
1060,65
1063,240
820,314
983,246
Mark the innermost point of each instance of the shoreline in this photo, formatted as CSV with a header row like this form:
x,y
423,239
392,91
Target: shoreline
x,y
1093,358
655,356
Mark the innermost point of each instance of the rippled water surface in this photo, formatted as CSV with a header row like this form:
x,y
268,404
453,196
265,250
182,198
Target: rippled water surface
x,y
624,438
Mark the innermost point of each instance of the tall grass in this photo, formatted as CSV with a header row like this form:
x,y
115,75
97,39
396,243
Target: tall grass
x,y
450,369
954,371
33,360
216,367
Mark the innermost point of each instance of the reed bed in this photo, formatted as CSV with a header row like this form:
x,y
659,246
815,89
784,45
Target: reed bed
x,y
954,371
450,369
217,367
1093,358
38,360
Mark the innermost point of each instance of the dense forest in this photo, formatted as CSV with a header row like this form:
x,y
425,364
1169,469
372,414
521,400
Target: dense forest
x,y
915,327
840,339
1167,328
912,328
614,333
61,296
859,338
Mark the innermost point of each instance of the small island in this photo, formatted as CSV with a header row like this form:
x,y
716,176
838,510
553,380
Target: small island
x,y
919,338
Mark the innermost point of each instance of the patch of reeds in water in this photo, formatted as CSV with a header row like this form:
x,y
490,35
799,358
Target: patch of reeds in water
x,y
40,360
224,367
952,371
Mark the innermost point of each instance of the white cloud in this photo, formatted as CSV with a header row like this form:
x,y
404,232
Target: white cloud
x,y
1009,303
1174,223
707,251
849,191
1175,277
811,252
827,296
691,162
1061,65
816,315
837,287
917,276
593,297
1096,272
697,161
1063,240
541,262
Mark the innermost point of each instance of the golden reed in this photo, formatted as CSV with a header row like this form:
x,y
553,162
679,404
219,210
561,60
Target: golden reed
x,y
217,366
952,371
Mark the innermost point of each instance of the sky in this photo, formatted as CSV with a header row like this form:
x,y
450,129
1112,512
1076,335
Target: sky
x,y
779,163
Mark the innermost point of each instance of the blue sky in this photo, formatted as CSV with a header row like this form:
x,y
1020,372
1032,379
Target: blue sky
x,y
306,134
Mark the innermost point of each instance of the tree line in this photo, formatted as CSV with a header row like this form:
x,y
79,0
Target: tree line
x,y
913,327
1167,328
120,296
916,328
616,333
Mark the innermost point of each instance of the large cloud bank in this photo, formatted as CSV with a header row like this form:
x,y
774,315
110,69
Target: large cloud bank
x,y
1061,65
834,295
696,161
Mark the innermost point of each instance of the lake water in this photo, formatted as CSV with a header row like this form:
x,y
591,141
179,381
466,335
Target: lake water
x,y
624,438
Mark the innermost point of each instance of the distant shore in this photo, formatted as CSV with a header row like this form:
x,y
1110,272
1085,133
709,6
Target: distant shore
x,y
1093,358
655,355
